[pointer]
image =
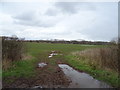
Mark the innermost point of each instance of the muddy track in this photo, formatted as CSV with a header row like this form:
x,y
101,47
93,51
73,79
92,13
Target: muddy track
x,y
55,74
45,78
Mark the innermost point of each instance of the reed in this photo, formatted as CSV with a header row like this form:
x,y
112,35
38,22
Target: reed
x,y
106,58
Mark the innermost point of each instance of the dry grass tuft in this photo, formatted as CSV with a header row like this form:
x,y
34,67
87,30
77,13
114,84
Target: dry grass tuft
x,y
6,64
106,58
26,57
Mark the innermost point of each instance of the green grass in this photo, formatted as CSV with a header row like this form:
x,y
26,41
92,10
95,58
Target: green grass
x,y
23,68
0,72
40,51
36,48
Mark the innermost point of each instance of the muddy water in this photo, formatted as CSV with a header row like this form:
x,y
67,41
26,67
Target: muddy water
x,y
81,79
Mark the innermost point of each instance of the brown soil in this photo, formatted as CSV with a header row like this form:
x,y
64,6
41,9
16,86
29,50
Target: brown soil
x,y
50,76
47,77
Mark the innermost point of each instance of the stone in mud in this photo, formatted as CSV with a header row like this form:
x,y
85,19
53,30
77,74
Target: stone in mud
x,y
42,64
53,53
49,56
37,87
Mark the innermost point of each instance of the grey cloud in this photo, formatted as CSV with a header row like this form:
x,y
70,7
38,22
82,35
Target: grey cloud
x,y
7,31
25,16
32,19
51,12
69,7
74,7
101,31
56,23
32,23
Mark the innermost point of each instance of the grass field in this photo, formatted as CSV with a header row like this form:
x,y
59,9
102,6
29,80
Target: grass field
x,y
39,53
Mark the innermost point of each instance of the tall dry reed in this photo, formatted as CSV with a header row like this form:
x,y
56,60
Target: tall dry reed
x,y
106,58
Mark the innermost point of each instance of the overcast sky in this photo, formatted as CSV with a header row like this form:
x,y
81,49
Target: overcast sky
x,y
60,20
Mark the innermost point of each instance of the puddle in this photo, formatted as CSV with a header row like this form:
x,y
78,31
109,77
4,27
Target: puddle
x,y
81,79
42,64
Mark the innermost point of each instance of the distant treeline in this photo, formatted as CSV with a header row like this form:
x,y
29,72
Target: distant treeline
x,y
61,41
70,42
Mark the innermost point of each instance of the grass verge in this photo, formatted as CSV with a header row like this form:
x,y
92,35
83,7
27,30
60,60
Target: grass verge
x,y
109,77
23,68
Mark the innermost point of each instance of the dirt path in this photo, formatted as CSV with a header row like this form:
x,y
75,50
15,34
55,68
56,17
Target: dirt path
x,y
48,76
43,78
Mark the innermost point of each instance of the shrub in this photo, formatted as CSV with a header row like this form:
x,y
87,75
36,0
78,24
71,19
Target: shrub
x,y
12,48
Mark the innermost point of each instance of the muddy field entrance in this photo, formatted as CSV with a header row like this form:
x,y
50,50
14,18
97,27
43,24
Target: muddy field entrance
x,y
66,76
53,73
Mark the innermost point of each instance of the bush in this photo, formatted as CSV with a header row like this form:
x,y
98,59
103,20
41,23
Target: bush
x,y
12,48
